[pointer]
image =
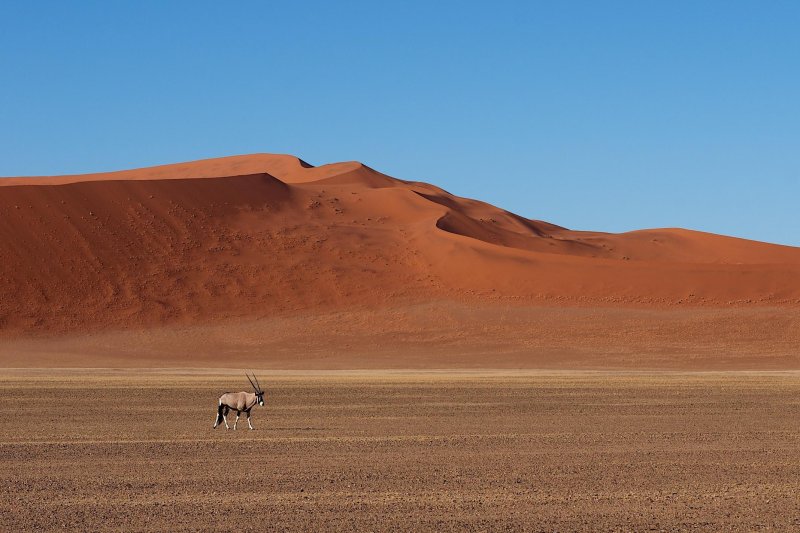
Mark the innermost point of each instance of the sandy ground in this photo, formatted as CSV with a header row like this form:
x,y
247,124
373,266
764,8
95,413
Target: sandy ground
x,y
444,335
382,450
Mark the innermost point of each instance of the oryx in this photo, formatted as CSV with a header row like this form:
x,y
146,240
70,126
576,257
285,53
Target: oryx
x,y
239,401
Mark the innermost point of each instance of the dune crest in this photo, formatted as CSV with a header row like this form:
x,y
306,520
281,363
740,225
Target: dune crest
x,y
255,236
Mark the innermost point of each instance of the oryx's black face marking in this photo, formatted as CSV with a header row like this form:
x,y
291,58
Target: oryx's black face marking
x,y
260,396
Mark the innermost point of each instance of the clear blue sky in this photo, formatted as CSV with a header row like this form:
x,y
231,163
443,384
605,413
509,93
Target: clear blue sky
x,y
598,115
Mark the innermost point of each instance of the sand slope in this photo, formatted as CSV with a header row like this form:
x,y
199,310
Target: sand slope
x,y
251,236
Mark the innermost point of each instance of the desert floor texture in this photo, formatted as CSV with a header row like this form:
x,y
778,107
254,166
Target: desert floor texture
x,y
392,450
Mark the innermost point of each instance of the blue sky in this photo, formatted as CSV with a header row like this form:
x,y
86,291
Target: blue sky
x,y
608,115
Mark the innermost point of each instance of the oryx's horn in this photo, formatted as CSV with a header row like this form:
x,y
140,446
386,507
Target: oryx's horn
x,y
251,381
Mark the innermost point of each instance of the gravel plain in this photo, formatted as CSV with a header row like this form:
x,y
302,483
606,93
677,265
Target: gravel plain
x,y
134,450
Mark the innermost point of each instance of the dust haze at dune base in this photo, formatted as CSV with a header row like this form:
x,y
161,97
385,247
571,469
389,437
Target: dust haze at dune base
x,y
268,260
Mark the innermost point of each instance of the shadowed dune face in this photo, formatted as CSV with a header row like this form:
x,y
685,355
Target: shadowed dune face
x,y
256,236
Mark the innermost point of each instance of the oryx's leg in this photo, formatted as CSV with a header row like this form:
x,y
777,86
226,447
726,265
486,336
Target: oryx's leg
x,y
225,417
248,419
237,419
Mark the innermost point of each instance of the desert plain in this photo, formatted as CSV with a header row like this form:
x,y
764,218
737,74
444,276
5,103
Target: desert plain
x,y
133,450
431,362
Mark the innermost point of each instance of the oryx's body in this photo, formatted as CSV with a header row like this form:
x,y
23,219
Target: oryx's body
x,y
238,401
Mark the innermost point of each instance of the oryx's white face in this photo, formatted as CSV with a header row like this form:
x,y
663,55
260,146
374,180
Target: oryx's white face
x,y
260,396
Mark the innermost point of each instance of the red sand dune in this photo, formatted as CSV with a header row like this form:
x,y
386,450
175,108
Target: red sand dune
x,y
254,237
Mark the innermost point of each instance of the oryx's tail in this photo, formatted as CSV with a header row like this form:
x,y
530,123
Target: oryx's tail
x,y
220,408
